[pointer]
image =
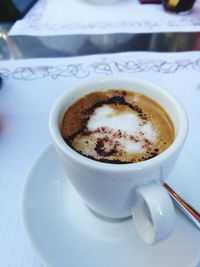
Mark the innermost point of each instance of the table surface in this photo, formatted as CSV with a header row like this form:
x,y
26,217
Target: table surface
x,y
20,47
23,47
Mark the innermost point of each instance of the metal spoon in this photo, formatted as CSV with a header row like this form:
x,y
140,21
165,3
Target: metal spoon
x,y
191,213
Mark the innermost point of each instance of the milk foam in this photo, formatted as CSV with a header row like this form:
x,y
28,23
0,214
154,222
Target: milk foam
x,y
126,130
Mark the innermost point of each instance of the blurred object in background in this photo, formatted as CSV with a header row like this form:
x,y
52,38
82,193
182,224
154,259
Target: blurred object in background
x,y
1,82
150,1
178,6
11,10
8,48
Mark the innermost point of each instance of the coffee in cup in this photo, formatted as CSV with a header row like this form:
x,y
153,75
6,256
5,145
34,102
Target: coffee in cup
x,y
117,126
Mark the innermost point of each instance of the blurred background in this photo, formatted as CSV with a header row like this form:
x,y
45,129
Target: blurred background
x,y
16,47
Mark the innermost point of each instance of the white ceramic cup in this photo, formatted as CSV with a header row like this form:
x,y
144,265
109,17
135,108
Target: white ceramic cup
x,y
121,190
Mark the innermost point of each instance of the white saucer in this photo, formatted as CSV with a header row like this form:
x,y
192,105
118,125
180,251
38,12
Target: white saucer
x,y
63,231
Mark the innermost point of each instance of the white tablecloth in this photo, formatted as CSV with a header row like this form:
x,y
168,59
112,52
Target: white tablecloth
x,y
51,17
31,87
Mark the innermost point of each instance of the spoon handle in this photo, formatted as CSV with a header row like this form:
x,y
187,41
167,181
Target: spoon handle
x,y
191,213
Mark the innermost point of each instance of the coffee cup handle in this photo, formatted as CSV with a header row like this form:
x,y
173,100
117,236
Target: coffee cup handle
x,y
153,213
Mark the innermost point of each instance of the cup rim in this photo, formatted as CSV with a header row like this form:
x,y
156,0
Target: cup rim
x,y
94,164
